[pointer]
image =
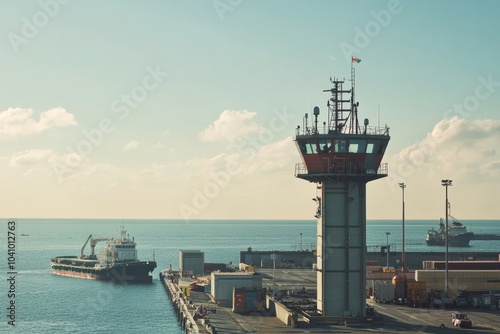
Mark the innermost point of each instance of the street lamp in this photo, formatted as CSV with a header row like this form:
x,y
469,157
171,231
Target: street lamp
x,y
403,186
387,248
446,183
301,241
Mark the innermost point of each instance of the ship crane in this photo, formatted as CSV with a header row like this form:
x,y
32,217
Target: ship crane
x,y
84,245
93,243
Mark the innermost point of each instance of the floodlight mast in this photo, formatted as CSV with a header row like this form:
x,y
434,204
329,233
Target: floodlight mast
x,y
446,183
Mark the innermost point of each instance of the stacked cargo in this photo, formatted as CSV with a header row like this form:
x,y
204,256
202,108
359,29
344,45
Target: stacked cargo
x,y
399,292
384,293
416,293
462,265
463,280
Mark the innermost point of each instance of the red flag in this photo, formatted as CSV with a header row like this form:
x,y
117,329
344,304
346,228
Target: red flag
x,y
355,59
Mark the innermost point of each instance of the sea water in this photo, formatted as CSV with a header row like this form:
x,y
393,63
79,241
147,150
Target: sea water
x,y
47,303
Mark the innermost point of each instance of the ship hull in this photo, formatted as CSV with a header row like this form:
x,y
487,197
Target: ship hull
x,y
461,240
128,272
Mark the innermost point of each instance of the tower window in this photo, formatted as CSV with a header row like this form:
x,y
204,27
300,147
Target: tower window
x,y
340,146
308,148
357,146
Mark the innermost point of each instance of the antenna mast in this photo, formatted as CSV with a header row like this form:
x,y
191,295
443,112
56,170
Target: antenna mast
x,y
343,118
353,124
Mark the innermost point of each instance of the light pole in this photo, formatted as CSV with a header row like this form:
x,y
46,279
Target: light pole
x,y
446,183
301,241
387,248
274,273
403,186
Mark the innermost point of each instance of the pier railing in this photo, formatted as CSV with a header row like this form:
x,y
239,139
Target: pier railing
x,y
188,324
343,168
324,130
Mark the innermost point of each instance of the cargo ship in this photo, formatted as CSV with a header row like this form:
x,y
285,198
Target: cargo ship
x,y
116,262
457,235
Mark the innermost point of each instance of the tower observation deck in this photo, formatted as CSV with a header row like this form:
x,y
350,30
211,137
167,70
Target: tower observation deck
x,y
341,156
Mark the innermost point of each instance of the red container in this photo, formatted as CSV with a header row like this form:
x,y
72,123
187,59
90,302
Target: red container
x,y
239,300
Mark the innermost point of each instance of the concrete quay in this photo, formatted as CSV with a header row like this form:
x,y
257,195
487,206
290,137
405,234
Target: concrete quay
x,y
218,319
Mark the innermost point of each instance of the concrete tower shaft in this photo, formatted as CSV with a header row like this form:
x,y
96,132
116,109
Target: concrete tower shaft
x,y
341,248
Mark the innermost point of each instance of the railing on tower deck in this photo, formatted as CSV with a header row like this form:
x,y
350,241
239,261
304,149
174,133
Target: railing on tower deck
x,y
339,168
324,130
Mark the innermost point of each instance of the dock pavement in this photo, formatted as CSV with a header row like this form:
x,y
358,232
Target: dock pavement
x,y
398,318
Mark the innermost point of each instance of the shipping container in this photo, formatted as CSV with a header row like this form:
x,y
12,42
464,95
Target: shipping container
x,y
416,292
239,300
462,265
400,292
248,300
384,293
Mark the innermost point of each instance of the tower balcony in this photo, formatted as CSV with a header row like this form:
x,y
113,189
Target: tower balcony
x,y
339,170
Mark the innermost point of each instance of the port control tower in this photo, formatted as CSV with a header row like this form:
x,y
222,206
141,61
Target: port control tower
x,y
341,156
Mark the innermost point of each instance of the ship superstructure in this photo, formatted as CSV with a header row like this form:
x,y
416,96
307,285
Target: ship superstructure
x,y
341,156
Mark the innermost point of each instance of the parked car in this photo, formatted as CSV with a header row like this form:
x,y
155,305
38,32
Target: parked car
x,y
459,319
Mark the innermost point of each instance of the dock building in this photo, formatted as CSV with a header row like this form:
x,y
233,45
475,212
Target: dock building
x,y
191,262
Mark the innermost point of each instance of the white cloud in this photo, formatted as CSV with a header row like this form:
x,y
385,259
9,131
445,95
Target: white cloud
x,y
131,145
463,150
19,122
231,125
458,146
45,162
274,157
30,157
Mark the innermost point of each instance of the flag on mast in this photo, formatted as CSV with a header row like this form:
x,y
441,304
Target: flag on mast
x,y
355,59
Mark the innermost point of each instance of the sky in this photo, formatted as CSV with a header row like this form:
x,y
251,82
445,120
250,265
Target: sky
x,y
187,109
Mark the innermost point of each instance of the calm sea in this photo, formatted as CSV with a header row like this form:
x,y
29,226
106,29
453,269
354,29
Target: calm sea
x,y
47,303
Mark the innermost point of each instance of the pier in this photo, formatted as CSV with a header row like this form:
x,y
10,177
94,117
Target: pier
x,y
214,318
277,317
181,308
485,236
